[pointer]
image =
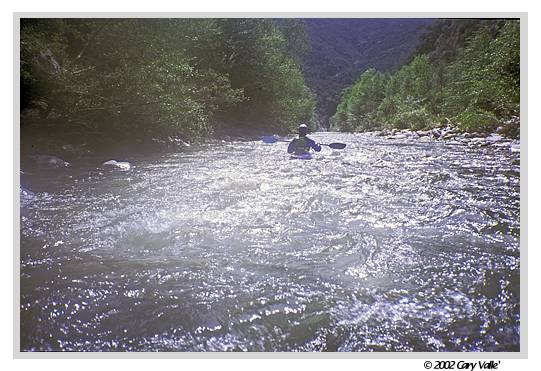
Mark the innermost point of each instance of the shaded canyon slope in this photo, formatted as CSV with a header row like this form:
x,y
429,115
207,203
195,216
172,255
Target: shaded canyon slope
x,y
341,49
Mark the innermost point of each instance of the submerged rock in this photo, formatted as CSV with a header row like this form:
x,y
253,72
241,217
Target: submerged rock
x,y
452,135
117,165
179,142
50,161
478,142
398,136
26,192
494,138
78,150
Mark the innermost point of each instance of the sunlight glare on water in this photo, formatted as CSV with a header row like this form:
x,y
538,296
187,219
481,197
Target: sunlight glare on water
x,y
384,246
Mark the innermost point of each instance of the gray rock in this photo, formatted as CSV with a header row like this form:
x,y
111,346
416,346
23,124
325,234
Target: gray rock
x,y
26,193
398,136
514,147
47,62
447,133
79,150
478,142
423,133
494,138
455,142
180,142
117,165
50,161
502,145
158,141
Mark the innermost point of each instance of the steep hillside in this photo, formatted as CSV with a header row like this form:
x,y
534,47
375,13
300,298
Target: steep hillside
x,y
341,49
466,76
444,39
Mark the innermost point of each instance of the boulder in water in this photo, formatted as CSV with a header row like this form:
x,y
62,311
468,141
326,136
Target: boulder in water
x,y
514,147
423,133
448,135
179,142
26,192
117,165
494,138
398,136
478,142
50,161
75,150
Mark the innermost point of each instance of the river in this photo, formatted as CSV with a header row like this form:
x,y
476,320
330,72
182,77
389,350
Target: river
x,y
387,245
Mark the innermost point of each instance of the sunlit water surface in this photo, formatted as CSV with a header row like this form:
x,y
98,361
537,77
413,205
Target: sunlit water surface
x,y
385,246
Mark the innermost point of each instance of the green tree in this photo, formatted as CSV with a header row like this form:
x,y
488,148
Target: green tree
x,y
270,78
160,77
478,89
358,105
486,78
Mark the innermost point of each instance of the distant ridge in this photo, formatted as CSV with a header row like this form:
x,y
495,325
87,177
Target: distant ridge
x,y
342,49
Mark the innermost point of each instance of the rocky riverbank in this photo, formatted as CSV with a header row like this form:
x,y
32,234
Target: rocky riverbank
x,y
452,136
60,153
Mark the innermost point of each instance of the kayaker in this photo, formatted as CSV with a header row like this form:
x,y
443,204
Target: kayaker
x,y
302,144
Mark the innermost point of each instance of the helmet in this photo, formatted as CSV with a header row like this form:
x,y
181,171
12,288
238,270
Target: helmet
x,y
303,129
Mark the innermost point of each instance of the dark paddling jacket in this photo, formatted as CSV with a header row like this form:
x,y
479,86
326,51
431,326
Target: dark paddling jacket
x,y
302,145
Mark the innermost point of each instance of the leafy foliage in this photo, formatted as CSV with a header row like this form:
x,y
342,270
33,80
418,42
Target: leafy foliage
x,y
357,108
157,77
341,49
489,71
444,39
476,90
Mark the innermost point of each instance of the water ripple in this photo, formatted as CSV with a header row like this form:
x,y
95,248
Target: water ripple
x,y
384,246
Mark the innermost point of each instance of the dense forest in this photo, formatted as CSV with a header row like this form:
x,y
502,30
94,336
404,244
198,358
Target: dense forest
x,y
465,73
164,77
193,78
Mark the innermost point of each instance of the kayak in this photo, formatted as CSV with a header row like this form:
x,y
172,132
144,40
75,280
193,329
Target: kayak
x,y
303,156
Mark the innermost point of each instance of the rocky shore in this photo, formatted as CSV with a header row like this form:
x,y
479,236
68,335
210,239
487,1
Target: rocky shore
x,y
452,136
448,135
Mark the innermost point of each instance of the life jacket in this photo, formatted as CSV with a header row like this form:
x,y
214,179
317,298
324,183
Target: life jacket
x,y
302,145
